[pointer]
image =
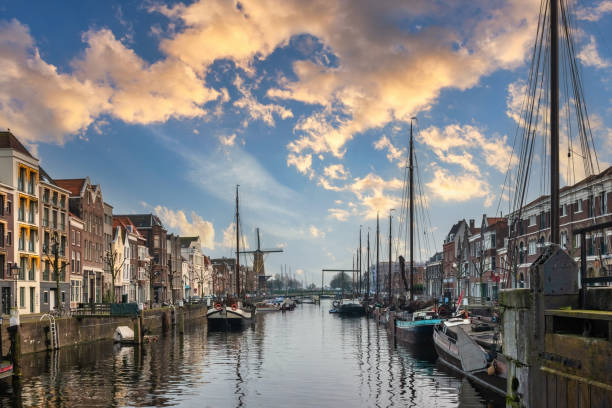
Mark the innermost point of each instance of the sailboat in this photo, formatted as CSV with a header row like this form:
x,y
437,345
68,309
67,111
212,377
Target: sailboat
x,y
416,328
233,313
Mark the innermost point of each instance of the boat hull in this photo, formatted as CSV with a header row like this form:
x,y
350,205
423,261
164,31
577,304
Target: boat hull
x,y
228,319
418,335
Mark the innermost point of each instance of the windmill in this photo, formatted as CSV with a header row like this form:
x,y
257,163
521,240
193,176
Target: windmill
x,y
258,261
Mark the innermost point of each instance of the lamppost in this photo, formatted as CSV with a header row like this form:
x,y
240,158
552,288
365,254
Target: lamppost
x,y
14,268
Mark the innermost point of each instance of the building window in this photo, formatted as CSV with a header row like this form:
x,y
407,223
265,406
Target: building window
x,y
564,239
78,262
156,241
591,206
532,220
577,241
563,210
532,247
46,195
21,179
78,238
603,200
22,297
63,201
579,205
45,297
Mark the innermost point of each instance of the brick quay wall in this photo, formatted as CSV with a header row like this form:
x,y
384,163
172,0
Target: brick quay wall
x,y
81,330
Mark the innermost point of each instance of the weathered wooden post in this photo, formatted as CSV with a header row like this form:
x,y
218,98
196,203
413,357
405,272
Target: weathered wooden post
x,y
15,336
181,318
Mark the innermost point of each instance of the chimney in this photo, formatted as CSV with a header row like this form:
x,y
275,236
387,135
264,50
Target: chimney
x,y
471,224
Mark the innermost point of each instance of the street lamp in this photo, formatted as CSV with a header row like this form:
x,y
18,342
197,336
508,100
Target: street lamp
x,y
14,268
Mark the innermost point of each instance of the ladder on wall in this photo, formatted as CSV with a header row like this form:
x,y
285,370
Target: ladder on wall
x,y
52,331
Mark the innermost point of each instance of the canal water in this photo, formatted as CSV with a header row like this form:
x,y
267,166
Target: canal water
x,y
303,358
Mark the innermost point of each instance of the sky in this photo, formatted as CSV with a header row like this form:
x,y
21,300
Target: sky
x,y
306,105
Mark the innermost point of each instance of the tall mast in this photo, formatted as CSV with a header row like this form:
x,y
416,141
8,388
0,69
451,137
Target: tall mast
x,y
359,260
389,277
554,122
368,268
237,245
411,216
377,248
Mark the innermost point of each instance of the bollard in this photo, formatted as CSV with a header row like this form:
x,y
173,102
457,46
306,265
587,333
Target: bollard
x,y
15,336
181,320
165,321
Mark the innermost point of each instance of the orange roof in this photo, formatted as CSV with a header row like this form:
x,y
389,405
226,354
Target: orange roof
x,y
73,185
494,220
124,222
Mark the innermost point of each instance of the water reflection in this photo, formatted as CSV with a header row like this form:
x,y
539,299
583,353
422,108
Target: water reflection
x,y
305,358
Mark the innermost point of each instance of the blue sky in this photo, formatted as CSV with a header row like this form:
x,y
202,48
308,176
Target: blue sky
x,y
306,105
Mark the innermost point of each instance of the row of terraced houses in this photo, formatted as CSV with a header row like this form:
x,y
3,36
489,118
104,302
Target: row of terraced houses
x,y
60,233
475,257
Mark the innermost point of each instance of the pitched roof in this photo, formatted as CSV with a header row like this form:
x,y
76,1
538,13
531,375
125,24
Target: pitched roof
x,y
9,141
143,220
186,241
73,185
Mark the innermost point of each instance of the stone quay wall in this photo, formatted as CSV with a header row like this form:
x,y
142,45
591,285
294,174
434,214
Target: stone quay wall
x,y
80,330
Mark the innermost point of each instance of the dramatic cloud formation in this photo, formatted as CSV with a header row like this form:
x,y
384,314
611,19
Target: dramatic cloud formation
x,y
36,101
177,220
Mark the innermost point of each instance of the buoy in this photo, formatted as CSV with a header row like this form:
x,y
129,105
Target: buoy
x,y
234,306
218,306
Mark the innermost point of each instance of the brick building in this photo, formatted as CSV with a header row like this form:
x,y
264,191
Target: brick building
x,y
7,283
583,204
76,227
154,234
54,232
86,203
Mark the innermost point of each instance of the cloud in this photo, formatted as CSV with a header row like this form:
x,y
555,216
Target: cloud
x,y
257,110
393,153
229,238
303,164
464,187
590,57
466,146
371,191
37,102
336,172
227,140
197,226
382,70
594,13
339,214
315,232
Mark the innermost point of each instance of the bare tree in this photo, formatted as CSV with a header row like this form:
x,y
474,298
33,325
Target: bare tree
x,y
111,258
58,269
151,273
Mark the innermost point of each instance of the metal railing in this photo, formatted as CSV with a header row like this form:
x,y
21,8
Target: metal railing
x,y
92,309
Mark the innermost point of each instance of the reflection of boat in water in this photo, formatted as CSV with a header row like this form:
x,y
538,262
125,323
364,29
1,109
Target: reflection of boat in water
x,y
234,315
418,329
473,351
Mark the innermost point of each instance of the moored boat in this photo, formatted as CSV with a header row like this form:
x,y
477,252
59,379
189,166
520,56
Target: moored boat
x,y
234,315
6,368
418,329
472,352
267,307
349,307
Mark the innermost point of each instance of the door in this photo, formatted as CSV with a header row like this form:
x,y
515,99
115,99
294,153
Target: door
x,y
52,299
32,291
6,300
